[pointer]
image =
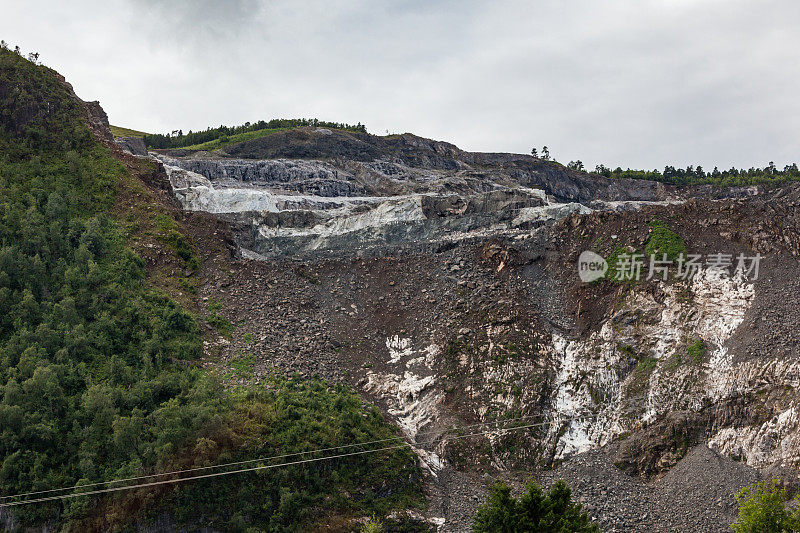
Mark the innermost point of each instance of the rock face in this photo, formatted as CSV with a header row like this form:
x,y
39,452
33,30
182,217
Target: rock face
x,y
132,145
443,285
325,193
391,164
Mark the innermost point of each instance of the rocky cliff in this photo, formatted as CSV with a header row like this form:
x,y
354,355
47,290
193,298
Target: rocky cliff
x,y
443,285
314,190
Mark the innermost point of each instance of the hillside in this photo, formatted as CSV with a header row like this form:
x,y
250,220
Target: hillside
x,y
442,285
257,299
104,375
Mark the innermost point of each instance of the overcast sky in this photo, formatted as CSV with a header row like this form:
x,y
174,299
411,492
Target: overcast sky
x,y
639,83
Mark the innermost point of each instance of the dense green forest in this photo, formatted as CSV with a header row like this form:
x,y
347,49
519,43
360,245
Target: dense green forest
x,y
692,175
177,139
96,373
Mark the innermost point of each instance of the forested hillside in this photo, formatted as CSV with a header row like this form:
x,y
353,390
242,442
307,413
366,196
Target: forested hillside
x,y
225,134
98,369
692,175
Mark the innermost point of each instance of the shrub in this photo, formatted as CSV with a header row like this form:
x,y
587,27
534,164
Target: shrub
x,y
762,510
535,511
372,526
619,255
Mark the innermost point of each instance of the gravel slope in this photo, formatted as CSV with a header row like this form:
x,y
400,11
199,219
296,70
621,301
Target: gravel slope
x,y
696,495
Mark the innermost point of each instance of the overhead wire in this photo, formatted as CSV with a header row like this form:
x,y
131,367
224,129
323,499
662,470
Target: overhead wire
x,y
274,457
265,459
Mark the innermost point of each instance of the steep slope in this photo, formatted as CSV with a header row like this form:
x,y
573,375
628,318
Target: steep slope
x,y
103,375
444,285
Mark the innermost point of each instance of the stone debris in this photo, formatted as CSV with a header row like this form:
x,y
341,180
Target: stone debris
x,y
442,285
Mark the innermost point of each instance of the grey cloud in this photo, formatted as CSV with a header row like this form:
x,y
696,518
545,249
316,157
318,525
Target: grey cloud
x,y
199,19
639,83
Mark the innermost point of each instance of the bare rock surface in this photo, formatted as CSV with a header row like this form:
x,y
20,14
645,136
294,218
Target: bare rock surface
x,y
442,286
132,145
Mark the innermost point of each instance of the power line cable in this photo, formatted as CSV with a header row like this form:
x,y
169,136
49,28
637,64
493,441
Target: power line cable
x,y
256,468
249,461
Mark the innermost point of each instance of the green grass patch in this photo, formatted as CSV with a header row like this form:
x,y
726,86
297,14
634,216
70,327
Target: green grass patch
x,y
169,233
621,261
619,265
119,131
697,350
180,244
217,321
662,241
640,376
647,364
227,140
198,138
243,365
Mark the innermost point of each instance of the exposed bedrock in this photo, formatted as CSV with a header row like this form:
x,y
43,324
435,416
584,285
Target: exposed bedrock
x,y
132,145
286,207
443,285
